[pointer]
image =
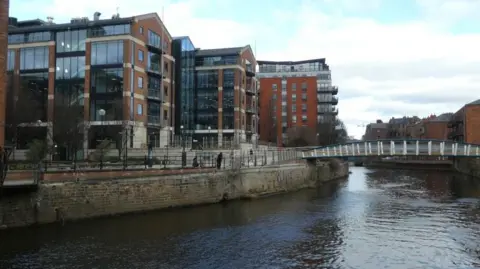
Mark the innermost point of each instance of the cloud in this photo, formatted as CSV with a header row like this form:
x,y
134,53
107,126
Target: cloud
x,y
422,66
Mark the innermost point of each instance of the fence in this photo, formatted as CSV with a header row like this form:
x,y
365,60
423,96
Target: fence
x,y
232,159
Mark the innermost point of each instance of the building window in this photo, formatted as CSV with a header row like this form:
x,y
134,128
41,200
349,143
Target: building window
x,y
109,52
108,80
71,41
140,82
304,86
304,96
294,86
304,118
10,60
274,87
70,67
141,30
294,108
140,55
139,109
122,29
207,79
34,58
294,97
165,91
29,38
165,114
154,39
32,97
304,107
165,67
228,78
294,118
153,63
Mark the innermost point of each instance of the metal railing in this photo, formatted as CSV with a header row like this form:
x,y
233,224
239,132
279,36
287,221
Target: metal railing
x,y
395,148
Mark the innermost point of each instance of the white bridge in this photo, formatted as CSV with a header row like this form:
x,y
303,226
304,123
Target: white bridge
x,y
394,148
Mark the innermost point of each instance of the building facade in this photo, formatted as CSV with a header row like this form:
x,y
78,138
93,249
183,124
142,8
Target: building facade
x,y
112,77
376,131
185,86
465,123
294,94
226,96
432,127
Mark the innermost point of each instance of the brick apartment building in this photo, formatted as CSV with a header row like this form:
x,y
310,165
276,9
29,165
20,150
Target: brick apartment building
x,y
432,127
376,131
397,127
465,124
116,73
294,94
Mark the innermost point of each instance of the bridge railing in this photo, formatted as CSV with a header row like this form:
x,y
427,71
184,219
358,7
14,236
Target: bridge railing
x,y
395,148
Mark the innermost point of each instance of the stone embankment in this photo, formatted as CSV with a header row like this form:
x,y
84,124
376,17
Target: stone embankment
x,y
92,194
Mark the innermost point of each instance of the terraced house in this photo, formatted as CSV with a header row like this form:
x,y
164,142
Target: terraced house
x,y
81,82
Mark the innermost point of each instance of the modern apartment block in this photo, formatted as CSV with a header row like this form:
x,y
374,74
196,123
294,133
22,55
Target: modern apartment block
x,y
115,73
225,96
465,123
294,94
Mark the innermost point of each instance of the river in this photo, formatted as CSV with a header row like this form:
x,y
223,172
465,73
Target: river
x,y
375,219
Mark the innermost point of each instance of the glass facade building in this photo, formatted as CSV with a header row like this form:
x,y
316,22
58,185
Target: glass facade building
x,y
185,90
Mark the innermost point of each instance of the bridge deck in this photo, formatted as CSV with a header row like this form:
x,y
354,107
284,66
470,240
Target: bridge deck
x,y
395,148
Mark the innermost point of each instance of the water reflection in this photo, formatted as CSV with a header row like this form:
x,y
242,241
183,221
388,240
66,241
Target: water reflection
x,y
378,219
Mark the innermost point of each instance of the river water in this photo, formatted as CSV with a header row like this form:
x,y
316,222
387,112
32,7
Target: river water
x,y
375,219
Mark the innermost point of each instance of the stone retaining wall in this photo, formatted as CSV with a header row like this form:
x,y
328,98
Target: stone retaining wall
x,y
85,198
468,166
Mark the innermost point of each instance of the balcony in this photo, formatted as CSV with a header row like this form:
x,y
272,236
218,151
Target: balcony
x,y
333,101
154,120
250,90
154,94
250,72
251,109
331,89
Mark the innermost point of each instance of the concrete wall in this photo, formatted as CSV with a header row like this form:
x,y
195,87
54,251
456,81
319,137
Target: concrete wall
x,y
468,166
87,198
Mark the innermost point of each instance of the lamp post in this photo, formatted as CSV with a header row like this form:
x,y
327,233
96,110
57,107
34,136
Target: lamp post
x,y
169,137
209,129
184,154
101,113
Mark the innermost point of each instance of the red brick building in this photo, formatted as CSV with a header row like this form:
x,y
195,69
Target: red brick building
x,y
432,127
294,94
376,131
465,124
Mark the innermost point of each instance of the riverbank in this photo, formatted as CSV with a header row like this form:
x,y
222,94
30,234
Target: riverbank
x,y
86,197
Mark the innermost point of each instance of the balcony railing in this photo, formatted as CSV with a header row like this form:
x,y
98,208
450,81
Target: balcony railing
x,y
250,90
251,109
154,94
156,120
334,90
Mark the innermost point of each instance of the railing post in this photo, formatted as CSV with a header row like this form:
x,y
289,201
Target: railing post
x,y
417,148
464,150
469,147
315,152
335,150
358,149
340,150
370,148
476,151
328,151
366,148
442,148
404,147
381,147
429,147
346,150
455,149
392,147
378,148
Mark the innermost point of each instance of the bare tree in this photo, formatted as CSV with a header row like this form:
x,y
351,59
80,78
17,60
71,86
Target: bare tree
x,y
301,136
331,131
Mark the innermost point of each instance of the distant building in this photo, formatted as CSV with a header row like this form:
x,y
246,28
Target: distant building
x,y
397,127
375,131
464,125
432,127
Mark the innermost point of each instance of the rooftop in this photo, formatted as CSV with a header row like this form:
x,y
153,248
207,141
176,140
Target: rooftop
x,y
321,60
219,52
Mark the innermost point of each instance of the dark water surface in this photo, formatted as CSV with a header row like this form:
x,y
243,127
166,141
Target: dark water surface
x,y
376,219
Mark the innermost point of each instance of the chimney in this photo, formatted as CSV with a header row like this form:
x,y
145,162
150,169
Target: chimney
x,y
96,16
50,20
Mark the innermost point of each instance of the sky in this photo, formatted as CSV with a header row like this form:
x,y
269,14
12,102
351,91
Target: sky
x,y
389,58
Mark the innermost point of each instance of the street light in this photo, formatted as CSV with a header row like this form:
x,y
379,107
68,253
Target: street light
x,y
184,154
209,128
101,113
